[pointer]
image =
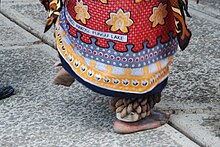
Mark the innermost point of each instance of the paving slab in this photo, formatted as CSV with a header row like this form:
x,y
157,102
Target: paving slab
x,y
42,114
200,125
31,16
30,8
211,3
194,73
194,83
11,34
209,10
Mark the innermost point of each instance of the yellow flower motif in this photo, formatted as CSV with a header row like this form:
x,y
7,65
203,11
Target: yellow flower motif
x,y
104,1
81,12
138,1
120,21
159,13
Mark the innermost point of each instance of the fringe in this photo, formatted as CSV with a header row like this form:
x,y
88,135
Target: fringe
x,y
180,8
184,5
54,8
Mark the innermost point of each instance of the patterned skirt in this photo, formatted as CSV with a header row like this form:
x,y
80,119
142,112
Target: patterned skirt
x,y
118,48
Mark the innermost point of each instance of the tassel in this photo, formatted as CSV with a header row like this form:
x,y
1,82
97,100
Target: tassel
x,y
184,5
45,3
183,33
54,7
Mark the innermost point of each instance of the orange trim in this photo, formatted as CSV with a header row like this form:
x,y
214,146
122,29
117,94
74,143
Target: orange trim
x,y
108,73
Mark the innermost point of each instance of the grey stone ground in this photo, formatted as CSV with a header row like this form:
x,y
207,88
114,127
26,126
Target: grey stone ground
x,y
211,3
42,114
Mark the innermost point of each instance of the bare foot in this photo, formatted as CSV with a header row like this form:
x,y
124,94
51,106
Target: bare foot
x,y
63,78
156,119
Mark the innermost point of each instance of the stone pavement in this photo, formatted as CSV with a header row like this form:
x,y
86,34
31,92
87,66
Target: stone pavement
x,y
42,114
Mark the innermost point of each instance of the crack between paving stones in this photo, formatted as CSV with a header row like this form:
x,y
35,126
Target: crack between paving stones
x,y
210,14
28,29
199,143
22,44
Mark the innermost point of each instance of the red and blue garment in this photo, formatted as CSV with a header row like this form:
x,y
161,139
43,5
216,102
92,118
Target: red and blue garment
x,y
119,48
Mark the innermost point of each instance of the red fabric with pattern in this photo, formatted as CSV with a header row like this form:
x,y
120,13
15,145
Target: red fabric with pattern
x,y
139,32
